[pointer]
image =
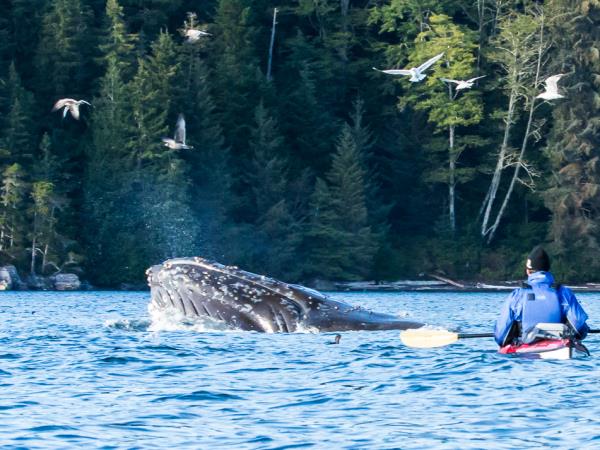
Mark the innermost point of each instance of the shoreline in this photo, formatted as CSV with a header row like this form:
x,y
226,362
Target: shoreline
x,y
340,287
437,286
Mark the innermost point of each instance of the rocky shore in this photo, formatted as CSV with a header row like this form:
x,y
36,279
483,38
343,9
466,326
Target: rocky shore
x,y
11,280
432,285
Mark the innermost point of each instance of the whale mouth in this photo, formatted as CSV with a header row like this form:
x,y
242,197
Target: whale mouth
x,y
199,288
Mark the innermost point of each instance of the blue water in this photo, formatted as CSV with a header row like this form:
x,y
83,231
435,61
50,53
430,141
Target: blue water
x,y
95,370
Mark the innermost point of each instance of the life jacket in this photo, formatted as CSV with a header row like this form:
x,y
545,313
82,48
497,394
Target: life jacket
x,y
541,304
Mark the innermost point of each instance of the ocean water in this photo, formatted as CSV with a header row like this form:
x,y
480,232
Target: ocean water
x,y
97,370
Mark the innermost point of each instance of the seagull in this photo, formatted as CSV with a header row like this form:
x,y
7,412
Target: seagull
x,y
416,73
178,141
463,84
551,92
194,35
69,105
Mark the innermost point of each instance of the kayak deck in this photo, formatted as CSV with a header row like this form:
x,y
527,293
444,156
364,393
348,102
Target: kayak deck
x,y
547,349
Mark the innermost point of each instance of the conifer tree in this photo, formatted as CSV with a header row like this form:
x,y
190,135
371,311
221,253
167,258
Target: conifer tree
x,y
236,73
42,213
5,35
118,45
161,183
19,129
151,94
63,60
447,110
50,212
267,174
573,194
48,166
308,123
12,219
26,20
340,240
109,230
278,234
209,164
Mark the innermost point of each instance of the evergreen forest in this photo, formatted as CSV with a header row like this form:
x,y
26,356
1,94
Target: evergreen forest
x,y
306,163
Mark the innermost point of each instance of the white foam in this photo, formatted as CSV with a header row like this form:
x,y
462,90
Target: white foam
x,y
172,319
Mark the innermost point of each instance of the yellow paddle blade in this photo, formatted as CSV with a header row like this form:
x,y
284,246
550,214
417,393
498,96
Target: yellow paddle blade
x,y
427,338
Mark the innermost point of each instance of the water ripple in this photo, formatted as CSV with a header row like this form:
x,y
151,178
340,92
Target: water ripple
x,y
198,396
98,370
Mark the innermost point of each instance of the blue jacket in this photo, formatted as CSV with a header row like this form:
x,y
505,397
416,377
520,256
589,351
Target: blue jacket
x,y
548,305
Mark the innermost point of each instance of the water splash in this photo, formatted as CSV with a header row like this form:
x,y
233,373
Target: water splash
x,y
172,319
128,324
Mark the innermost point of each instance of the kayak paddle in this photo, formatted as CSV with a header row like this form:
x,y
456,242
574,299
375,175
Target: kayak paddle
x,y
429,338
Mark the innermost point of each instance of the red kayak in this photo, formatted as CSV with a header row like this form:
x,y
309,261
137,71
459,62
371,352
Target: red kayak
x,y
547,349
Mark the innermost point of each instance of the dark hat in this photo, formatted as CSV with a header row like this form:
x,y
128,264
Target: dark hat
x,y
538,260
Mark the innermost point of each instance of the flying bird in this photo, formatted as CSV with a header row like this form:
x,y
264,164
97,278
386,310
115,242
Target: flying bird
x,y
551,92
416,73
463,84
194,35
69,105
178,141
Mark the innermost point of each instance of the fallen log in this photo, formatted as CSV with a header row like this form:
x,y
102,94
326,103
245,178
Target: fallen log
x,y
447,280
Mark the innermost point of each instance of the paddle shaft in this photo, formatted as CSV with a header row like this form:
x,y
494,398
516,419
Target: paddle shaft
x,y
488,335
474,335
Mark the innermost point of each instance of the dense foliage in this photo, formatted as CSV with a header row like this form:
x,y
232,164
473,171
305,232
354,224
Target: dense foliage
x,y
323,168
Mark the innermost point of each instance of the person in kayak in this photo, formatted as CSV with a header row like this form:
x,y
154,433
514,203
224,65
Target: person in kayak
x,y
539,301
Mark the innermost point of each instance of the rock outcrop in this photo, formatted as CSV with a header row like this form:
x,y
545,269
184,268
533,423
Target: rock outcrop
x,y
9,279
66,282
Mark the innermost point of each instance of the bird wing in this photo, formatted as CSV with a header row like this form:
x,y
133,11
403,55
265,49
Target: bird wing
x,y
74,109
448,80
552,82
471,80
430,62
394,71
62,103
180,130
83,101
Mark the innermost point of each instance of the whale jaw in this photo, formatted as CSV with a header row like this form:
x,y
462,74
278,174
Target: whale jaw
x,y
246,301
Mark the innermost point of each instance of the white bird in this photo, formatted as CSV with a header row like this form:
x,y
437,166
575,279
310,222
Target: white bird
x,y
463,84
551,92
416,73
194,35
69,105
178,141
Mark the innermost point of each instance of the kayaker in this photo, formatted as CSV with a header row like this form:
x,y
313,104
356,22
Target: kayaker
x,y
539,301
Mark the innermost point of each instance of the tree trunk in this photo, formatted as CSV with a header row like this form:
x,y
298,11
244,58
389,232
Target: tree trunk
x,y
480,17
271,45
495,184
33,244
494,227
2,234
45,257
452,182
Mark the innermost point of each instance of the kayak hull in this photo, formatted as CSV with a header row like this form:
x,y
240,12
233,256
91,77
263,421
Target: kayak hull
x,y
547,349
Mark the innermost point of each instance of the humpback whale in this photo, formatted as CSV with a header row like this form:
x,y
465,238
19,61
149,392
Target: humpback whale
x,y
200,288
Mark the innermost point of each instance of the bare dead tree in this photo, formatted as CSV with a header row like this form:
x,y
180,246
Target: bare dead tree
x,y
517,52
542,48
271,44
